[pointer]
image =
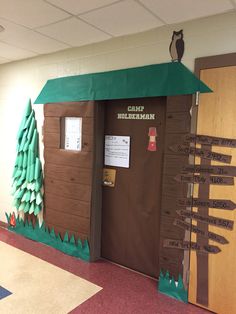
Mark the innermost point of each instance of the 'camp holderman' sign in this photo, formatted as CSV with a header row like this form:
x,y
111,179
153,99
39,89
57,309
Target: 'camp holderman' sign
x,y
184,245
136,113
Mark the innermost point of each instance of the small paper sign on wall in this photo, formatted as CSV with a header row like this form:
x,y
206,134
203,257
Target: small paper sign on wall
x,y
73,133
117,151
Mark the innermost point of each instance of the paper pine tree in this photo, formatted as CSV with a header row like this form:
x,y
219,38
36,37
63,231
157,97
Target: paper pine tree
x,y
27,174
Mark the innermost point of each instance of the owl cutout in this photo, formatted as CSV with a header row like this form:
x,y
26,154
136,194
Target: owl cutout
x,y
177,46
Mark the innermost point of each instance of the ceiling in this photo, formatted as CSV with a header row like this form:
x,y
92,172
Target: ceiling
x,y
35,27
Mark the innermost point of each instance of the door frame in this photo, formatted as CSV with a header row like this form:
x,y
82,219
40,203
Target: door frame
x,y
203,63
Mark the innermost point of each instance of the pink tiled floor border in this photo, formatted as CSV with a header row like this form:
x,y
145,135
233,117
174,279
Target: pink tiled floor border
x,y
124,291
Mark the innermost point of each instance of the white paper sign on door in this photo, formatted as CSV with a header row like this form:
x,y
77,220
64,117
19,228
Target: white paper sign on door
x,y
73,133
117,151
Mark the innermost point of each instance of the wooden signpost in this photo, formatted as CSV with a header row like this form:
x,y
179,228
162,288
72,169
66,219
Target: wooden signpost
x,y
202,153
207,234
210,140
201,179
203,174
211,203
211,220
205,169
185,245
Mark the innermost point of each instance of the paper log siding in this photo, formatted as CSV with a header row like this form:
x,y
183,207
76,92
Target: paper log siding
x,y
68,174
177,125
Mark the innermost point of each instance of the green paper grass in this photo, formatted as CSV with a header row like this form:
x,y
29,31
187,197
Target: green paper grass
x,y
174,290
44,235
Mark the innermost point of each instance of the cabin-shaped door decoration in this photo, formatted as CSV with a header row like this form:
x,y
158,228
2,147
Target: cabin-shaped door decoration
x,y
148,108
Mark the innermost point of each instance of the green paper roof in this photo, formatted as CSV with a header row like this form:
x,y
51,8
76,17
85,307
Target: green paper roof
x,y
166,79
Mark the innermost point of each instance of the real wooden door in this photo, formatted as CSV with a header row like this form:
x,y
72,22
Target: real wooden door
x,y
215,278
131,209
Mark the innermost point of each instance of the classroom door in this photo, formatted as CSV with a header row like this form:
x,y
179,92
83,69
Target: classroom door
x,y
213,276
131,209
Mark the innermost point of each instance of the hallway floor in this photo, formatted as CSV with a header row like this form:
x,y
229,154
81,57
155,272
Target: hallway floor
x,y
44,280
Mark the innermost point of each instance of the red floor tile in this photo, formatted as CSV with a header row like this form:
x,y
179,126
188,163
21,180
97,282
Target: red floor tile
x,y
124,291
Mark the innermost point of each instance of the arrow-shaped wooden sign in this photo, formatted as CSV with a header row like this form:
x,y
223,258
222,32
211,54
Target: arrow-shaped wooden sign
x,y
206,234
184,245
210,140
202,153
218,170
215,221
200,179
211,203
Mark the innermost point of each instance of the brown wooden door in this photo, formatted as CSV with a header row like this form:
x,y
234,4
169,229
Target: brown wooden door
x,y
213,278
131,209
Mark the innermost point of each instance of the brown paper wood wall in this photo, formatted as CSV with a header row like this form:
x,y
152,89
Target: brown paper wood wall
x,y
68,174
177,125
73,193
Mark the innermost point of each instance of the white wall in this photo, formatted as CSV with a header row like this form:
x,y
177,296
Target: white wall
x,y
24,79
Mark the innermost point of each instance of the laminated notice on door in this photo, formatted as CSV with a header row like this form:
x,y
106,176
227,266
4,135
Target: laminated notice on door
x,y
117,151
109,177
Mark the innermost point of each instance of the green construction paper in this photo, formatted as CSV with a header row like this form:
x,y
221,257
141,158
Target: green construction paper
x,y
21,129
19,160
66,237
166,79
31,173
27,166
23,141
39,234
23,175
72,239
19,193
59,237
14,187
180,282
18,183
37,209
17,173
79,244
171,288
52,233
25,158
28,109
29,119
31,129
37,168
32,197
16,203
39,198
22,206
38,185
31,210
26,196
27,207
34,142
86,247
14,171
32,186
26,146
24,185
